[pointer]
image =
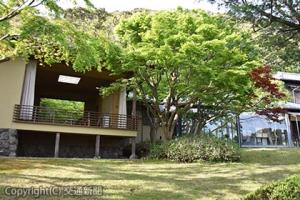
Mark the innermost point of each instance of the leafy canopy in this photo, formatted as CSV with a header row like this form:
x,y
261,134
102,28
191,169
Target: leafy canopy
x,y
276,23
26,33
184,58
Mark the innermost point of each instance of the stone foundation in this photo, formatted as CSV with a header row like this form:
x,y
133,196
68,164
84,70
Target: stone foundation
x,y
8,142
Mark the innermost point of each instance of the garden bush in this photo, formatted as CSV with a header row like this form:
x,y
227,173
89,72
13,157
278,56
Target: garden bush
x,y
288,189
196,147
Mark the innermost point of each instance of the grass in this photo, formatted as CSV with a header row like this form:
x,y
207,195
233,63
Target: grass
x,y
124,179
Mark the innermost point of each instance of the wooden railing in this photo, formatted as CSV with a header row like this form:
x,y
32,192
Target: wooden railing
x,y
45,115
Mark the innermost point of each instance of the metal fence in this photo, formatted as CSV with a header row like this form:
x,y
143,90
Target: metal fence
x,y
46,115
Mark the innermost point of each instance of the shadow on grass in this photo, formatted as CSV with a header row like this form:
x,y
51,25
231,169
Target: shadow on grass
x,y
124,179
162,185
274,156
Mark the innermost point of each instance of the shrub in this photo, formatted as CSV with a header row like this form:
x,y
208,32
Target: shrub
x,y
196,147
158,151
288,189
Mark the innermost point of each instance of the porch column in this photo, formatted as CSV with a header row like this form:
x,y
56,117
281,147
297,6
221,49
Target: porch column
x,y
97,147
133,155
133,108
56,150
288,128
122,121
133,111
133,114
238,129
28,92
298,129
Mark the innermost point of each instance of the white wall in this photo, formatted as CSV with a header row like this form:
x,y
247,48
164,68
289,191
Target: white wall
x,y
11,83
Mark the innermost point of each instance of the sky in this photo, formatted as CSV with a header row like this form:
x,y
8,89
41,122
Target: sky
x,y
127,5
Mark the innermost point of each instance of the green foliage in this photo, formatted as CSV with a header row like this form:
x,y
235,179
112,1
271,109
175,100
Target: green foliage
x,y
197,147
56,41
88,20
61,109
51,39
276,26
288,189
159,150
96,21
187,57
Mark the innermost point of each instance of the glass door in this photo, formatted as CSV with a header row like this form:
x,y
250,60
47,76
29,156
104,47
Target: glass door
x,y
295,129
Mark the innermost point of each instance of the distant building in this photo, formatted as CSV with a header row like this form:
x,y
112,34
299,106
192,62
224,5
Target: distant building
x,y
253,130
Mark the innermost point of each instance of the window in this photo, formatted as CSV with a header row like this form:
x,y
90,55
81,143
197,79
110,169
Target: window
x,y
257,130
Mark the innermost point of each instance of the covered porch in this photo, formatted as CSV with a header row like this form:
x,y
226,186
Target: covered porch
x,y
99,117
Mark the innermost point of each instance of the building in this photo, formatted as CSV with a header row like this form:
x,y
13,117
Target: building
x,y
101,129
252,130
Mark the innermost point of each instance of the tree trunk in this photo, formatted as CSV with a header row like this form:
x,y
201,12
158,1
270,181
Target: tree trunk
x,y
167,133
153,131
196,127
199,126
168,128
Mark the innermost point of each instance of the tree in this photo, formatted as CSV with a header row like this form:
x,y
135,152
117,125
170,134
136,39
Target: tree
x,y
9,10
89,20
61,109
50,39
183,58
277,24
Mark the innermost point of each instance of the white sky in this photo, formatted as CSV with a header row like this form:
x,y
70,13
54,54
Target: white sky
x,y
122,5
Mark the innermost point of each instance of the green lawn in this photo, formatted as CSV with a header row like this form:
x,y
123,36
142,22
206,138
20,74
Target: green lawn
x,y
123,179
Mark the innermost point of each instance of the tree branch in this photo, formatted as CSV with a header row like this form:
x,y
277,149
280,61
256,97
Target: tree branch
x,y
16,11
274,18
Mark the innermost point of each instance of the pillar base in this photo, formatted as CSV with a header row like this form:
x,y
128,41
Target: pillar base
x,y
133,147
133,157
97,147
56,148
97,157
12,154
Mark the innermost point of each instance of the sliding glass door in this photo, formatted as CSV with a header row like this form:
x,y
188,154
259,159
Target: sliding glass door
x,y
257,130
